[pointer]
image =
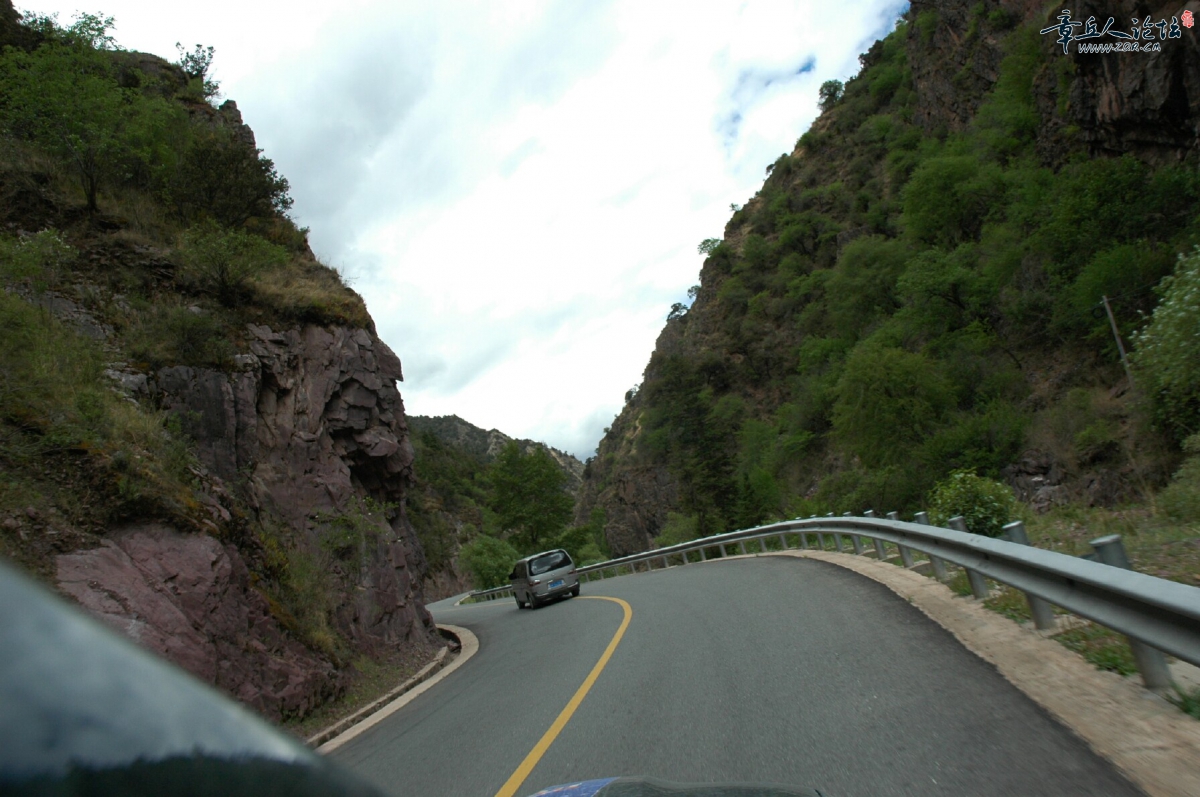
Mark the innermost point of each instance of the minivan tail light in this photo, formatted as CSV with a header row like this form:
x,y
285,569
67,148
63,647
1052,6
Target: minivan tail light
x,y
573,572
533,582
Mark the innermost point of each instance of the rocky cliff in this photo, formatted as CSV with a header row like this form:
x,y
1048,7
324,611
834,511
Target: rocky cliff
x,y
953,190
231,490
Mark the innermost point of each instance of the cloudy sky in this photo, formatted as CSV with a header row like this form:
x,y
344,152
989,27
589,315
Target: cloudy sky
x,y
517,188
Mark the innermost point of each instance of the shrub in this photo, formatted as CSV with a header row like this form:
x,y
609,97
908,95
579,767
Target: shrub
x,y
985,504
37,260
678,528
1181,498
179,336
222,262
347,532
488,560
1168,349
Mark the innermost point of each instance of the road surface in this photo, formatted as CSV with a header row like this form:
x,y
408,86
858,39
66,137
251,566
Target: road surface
x,y
765,669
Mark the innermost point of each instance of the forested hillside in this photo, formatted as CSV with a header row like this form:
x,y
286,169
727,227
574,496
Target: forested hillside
x,y
918,288
468,482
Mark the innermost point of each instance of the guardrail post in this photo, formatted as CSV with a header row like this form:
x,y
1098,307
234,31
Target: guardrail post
x,y
858,546
703,558
1043,612
821,540
979,587
905,554
724,553
762,543
939,567
1151,661
880,548
742,546
668,564
837,542
783,542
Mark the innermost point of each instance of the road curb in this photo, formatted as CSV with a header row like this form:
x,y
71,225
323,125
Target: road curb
x,y
1153,743
341,732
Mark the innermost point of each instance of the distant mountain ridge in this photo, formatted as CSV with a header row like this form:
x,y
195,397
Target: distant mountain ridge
x,y
485,444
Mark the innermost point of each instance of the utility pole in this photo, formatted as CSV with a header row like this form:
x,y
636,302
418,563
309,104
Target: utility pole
x,y
1117,335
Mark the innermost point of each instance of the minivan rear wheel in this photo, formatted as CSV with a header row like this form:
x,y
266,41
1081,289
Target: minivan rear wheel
x,y
533,601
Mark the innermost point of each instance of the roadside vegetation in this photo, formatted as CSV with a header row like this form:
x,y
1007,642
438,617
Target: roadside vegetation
x,y
517,505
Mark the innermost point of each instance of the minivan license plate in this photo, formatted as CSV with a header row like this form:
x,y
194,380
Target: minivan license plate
x,y
554,584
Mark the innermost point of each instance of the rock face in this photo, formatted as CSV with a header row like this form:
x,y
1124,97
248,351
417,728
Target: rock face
x,y
636,502
188,598
314,420
1147,104
309,424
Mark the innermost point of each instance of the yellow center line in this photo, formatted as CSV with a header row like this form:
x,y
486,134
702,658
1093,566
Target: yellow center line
x,y
535,755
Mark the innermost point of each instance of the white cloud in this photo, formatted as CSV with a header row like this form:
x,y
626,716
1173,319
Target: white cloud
x,y
518,188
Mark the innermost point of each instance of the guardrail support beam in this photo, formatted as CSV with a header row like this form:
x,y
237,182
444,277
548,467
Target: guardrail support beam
x,y
783,542
858,546
703,558
979,587
880,550
1042,612
939,566
1151,661
742,546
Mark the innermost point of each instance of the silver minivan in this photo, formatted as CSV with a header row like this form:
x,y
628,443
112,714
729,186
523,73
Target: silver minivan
x,y
538,578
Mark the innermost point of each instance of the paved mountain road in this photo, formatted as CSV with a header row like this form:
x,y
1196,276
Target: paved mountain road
x,y
769,669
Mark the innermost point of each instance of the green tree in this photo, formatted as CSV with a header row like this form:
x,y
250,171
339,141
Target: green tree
x,y
830,92
224,179
65,98
488,560
528,495
888,399
1168,349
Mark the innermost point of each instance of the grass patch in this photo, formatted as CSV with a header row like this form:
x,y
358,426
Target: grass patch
x,y
1157,544
306,290
1009,602
1188,701
370,680
960,584
1105,649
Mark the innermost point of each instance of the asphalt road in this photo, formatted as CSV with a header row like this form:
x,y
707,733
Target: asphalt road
x,y
771,669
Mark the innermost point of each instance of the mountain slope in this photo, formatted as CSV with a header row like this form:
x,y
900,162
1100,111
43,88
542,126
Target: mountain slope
x,y
917,288
448,504
201,438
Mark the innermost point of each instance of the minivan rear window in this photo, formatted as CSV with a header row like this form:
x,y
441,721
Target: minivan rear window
x,y
551,561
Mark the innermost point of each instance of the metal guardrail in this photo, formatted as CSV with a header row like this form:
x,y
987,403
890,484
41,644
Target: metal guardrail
x,y
1156,615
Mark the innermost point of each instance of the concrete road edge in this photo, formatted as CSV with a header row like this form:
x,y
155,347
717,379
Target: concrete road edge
x,y
1149,740
470,646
